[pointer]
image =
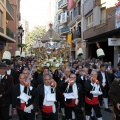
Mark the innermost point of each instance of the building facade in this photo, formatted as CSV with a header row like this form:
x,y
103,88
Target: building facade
x,y
70,21
99,25
6,33
12,47
9,21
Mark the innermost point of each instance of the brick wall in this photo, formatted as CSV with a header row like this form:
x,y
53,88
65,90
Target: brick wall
x,y
13,25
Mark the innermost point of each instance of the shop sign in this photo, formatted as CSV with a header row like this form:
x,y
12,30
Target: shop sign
x,y
113,41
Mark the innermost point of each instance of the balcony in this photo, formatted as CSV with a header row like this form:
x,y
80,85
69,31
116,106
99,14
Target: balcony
x,y
10,11
64,30
9,33
75,16
76,34
64,4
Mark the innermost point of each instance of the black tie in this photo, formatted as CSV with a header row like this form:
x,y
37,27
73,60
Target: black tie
x,y
25,90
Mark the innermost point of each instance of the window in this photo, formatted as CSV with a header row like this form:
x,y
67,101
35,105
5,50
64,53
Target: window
x,y
59,17
103,15
71,15
89,21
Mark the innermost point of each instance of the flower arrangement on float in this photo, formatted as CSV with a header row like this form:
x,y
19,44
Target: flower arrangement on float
x,y
54,62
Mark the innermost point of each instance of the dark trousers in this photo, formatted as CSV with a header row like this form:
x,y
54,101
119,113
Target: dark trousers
x,y
77,110
96,108
25,116
117,117
4,113
104,95
52,116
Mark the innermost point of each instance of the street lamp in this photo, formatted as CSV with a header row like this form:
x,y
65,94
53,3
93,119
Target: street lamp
x,y
21,33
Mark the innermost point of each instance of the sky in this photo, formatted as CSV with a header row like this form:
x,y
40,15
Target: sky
x,y
36,12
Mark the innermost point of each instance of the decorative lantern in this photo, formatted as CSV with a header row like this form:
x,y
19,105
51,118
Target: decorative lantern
x,y
100,52
6,56
79,52
17,53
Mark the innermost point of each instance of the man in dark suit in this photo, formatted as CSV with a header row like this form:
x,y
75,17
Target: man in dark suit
x,y
10,71
24,108
46,105
17,73
105,84
6,85
73,97
39,79
21,66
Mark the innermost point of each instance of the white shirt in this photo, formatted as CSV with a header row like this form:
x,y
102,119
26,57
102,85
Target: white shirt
x,y
47,89
48,103
9,72
21,88
104,79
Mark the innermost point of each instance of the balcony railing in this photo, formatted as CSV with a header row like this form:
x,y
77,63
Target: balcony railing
x,y
76,34
65,29
59,3
9,8
64,3
75,12
9,32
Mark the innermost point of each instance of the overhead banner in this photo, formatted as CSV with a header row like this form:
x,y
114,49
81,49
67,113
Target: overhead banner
x,y
69,39
63,17
117,17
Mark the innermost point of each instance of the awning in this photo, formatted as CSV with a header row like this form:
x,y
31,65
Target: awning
x,y
6,38
104,36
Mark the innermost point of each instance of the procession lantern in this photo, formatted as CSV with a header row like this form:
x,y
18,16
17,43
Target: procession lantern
x,y
6,56
23,54
100,52
79,50
17,53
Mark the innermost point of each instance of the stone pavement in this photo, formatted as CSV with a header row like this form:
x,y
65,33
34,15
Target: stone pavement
x,y
106,116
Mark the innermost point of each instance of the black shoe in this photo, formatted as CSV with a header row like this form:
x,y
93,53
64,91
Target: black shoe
x,y
93,118
108,110
63,118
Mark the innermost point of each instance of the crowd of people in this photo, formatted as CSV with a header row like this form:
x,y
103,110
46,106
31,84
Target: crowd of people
x,y
78,91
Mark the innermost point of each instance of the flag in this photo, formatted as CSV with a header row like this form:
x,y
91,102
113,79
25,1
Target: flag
x,y
69,39
70,4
